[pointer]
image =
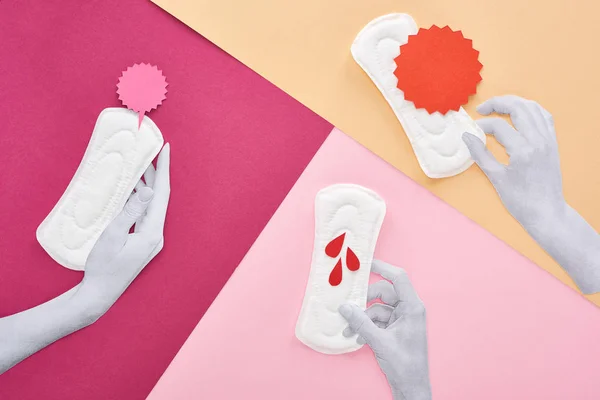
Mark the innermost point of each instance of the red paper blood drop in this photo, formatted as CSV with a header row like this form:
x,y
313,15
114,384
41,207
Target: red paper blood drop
x,y
334,247
352,260
335,277
438,69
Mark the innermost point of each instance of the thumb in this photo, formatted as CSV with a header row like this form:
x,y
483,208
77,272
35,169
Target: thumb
x,y
481,155
360,323
134,208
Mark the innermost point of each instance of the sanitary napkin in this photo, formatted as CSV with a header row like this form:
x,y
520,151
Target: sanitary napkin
x,y
114,161
347,223
436,139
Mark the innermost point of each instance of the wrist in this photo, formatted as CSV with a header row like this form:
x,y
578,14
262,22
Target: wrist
x,y
542,221
415,388
572,243
416,393
91,302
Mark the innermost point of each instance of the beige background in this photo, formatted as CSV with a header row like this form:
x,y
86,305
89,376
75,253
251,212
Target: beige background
x,y
540,49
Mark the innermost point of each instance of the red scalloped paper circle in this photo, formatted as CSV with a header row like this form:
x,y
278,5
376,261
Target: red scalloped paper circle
x,y
438,69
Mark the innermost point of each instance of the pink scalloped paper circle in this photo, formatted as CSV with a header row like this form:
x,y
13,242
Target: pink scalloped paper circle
x,y
142,88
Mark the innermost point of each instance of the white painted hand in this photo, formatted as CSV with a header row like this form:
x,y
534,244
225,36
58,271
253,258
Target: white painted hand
x,y
530,186
396,332
119,256
116,259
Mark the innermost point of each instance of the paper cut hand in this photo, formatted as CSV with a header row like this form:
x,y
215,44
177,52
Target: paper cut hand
x,y
531,185
395,331
116,259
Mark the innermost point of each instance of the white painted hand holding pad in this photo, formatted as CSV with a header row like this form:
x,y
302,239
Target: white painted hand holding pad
x,y
115,159
395,330
119,256
435,138
347,223
530,186
114,262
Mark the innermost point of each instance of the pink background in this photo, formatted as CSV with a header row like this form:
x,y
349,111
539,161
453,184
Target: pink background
x,y
499,326
238,146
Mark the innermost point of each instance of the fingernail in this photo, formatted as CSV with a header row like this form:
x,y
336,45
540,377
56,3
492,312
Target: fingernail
x,y
345,310
145,194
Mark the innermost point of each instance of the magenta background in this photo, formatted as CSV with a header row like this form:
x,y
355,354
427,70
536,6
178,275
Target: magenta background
x,y
499,327
238,146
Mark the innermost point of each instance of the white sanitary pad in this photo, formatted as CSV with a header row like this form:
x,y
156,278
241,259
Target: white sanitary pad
x,y
114,161
352,214
436,139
